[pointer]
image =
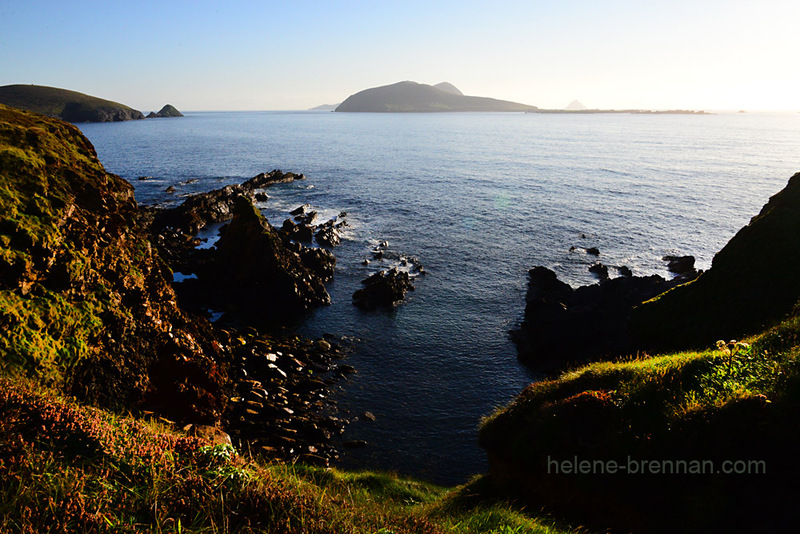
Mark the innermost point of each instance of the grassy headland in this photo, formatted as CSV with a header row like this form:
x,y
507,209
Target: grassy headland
x,y
63,104
700,437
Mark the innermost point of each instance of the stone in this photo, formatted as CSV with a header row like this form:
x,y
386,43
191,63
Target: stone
x,y
679,264
600,271
383,289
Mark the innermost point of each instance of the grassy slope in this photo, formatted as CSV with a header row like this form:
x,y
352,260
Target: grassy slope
x,y
65,467
63,104
708,405
722,401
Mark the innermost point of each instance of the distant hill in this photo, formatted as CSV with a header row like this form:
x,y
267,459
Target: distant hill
x,y
416,97
575,105
167,111
66,105
448,87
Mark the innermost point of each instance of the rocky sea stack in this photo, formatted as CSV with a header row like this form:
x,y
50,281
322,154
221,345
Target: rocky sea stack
x,y
167,111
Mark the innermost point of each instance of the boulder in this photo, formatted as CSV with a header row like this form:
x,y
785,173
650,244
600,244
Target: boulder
x,y
383,289
600,271
679,264
328,236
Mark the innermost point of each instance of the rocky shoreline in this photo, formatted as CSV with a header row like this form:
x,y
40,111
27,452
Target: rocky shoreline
x,y
261,278
563,326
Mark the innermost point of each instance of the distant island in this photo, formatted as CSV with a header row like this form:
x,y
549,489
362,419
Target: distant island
x,y
324,107
167,111
66,105
412,97
575,111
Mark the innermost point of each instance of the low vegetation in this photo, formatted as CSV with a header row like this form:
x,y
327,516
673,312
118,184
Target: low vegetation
x,y
66,467
689,412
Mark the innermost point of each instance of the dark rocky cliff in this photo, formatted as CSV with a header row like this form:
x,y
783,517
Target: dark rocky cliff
x,y
753,282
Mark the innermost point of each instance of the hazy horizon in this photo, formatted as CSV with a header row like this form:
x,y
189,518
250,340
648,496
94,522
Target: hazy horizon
x,y
204,56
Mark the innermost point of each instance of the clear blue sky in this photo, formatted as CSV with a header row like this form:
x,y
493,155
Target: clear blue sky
x,y
255,55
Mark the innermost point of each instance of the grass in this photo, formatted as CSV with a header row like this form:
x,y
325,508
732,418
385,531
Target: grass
x,y
723,403
65,467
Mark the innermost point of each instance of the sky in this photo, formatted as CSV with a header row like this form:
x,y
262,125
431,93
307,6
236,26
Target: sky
x,y
276,55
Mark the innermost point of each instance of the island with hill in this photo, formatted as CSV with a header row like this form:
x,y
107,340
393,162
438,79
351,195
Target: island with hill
x,y
413,97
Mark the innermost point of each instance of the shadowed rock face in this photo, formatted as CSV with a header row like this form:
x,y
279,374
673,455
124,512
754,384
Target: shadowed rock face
x,y
416,97
255,272
563,325
383,289
753,282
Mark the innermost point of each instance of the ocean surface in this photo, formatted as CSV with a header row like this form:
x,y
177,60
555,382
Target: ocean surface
x,y
478,199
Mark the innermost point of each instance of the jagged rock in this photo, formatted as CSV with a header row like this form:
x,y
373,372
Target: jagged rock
x,y
299,210
307,218
263,180
600,271
202,209
328,236
593,251
384,288
679,264
563,325
253,271
319,261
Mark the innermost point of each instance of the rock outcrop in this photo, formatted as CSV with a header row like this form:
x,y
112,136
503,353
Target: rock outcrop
x,y
167,111
563,325
383,289
214,206
752,283
253,272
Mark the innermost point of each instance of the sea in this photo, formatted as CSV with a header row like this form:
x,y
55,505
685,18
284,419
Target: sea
x,y
478,199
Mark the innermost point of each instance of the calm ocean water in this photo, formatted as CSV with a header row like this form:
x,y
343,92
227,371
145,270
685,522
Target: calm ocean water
x,y
479,199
